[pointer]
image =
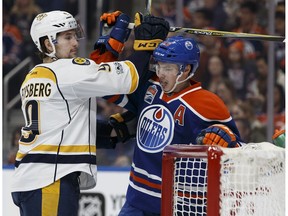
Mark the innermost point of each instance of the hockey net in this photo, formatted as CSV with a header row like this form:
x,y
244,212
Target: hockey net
x,y
210,180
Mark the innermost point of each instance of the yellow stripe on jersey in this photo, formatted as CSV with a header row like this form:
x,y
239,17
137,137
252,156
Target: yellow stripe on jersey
x,y
50,199
20,156
71,149
40,72
134,76
65,148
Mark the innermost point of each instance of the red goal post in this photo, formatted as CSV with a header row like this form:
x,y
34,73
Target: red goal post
x,y
210,180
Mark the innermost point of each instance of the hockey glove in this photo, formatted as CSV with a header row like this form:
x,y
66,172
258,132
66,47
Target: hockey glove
x,y
124,125
112,38
217,134
104,140
149,31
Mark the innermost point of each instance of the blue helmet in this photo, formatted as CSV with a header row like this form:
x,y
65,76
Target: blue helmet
x,y
178,50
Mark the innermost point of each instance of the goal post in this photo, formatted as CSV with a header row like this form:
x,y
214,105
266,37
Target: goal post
x,y
210,180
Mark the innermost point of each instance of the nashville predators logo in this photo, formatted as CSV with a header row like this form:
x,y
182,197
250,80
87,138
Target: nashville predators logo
x,y
41,16
80,61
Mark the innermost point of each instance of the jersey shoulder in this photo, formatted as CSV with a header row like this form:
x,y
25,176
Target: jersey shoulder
x,y
207,105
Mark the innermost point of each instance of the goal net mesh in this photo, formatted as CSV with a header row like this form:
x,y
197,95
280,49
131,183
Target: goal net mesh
x,y
252,182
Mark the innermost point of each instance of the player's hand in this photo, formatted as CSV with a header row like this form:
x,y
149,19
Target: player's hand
x,y
217,134
149,31
124,125
112,38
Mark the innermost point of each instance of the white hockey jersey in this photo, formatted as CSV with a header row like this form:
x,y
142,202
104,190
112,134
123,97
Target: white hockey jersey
x,y
59,107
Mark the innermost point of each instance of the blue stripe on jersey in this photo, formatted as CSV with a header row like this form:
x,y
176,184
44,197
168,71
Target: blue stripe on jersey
x,y
60,159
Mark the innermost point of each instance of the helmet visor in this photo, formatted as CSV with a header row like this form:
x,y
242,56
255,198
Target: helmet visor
x,y
79,31
155,67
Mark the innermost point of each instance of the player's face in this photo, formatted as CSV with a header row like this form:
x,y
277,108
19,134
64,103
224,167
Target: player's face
x,y
167,74
67,44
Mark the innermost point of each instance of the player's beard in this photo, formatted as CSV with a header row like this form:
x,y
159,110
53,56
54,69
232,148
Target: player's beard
x,y
73,53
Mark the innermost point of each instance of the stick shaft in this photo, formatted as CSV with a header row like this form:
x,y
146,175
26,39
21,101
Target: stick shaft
x,y
227,34
148,6
224,34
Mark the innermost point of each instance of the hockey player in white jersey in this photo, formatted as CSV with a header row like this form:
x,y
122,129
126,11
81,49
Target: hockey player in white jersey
x,y
57,149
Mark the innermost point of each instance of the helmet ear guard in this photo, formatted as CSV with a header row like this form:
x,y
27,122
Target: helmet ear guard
x,y
50,24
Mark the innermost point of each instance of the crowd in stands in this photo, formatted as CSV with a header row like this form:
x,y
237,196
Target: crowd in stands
x,y
236,70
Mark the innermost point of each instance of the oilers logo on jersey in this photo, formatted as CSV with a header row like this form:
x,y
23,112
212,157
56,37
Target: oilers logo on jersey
x,y
155,128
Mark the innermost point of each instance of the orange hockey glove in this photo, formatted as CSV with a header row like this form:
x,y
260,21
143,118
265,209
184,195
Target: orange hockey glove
x,y
112,38
110,18
217,134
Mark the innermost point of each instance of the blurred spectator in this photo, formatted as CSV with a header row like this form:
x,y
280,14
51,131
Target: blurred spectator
x,y
246,117
248,23
211,9
22,15
262,76
168,11
225,90
244,128
194,5
247,134
259,97
12,41
218,12
279,108
216,73
209,46
241,71
231,8
201,18
279,99
280,23
11,155
280,47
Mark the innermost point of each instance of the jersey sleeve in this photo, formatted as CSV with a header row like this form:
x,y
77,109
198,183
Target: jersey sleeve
x,y
87,79
141,61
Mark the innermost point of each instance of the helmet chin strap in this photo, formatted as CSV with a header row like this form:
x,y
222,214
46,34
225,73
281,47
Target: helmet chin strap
x,y
179,75
53,53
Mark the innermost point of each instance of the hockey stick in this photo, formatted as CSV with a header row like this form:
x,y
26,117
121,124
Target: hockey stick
x,y
148,6
224,34
216,33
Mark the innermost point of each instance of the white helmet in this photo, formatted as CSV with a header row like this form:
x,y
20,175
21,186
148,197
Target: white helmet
x,y
49,24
